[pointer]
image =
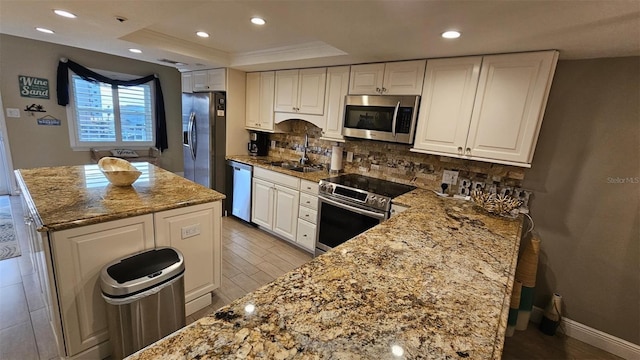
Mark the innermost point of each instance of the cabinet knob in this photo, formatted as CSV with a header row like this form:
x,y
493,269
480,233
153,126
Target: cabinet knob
x,y
378,90
305,235
460,150
384,90
469,151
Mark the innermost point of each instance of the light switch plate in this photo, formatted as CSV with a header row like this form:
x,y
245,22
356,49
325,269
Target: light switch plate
x,y
449,177
349,156
273,144
13,113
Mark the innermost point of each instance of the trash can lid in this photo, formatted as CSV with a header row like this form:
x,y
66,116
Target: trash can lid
x,y
141,271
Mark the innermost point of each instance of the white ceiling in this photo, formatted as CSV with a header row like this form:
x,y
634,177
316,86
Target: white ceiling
x,y
303,33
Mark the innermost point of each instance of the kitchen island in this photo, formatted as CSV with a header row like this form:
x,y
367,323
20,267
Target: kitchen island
x,y
433,282
79,222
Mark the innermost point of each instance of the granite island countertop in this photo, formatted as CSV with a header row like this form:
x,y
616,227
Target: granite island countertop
x,y
70,196
433,282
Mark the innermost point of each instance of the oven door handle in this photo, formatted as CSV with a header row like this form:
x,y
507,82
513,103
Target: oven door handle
x,y
395,119
356,210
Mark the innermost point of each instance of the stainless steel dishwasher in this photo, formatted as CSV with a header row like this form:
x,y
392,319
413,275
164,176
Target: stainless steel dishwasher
x,y
241,196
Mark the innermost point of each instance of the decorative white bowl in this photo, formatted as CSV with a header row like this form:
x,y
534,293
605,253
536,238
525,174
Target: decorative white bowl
x,y
119,172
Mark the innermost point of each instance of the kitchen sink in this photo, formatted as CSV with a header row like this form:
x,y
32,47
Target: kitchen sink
x,y
295,166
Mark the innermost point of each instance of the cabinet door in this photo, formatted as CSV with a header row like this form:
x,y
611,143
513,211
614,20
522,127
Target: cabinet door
x,y
199,80
285,215
403,78
262,203
311,85
366,79
267,89
306,235
337,89
195,231
286,97
509,105
187,82
253,101
216,80
447,102
79,255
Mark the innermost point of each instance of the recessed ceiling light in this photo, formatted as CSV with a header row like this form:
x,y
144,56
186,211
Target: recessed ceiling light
x,y
46,31
451,34
65,14
136,51
258,21
202,34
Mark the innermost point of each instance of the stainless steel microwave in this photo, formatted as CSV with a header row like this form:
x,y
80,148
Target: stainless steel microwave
x,y
381,117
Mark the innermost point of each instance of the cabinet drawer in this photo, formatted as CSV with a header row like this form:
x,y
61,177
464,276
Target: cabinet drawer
x,y
306,234
309,201
309,187
276,178
307,214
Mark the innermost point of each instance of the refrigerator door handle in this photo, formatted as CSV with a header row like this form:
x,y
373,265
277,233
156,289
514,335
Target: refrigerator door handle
x,y
193,135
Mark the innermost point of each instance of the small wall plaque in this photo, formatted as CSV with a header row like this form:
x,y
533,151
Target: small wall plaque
x,y
49,120
33,87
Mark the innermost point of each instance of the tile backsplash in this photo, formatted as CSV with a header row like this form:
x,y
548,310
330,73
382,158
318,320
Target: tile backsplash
x,y
393,161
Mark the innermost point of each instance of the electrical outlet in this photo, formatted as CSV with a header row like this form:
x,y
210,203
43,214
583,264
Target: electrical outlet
x,y
464,187
449,177
349,156
273,144
190,231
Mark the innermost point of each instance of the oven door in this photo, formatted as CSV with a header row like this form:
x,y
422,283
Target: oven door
x,y
339,222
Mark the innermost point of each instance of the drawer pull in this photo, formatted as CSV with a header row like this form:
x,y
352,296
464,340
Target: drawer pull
x,y
308,202
306,215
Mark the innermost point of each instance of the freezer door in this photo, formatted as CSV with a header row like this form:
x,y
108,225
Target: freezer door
x,y
202,139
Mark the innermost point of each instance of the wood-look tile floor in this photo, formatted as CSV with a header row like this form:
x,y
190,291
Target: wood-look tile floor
x,y
251,258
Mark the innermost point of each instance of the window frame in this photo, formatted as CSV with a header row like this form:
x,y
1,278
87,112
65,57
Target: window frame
x,y
77,145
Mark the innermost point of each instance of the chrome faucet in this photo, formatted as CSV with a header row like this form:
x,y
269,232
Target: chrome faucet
x,y
304,159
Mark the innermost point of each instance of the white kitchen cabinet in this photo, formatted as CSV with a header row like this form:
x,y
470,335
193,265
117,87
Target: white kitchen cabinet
x,y
187,81
446,105
300,91
337,89
394,78
306,235
504,123
285,216
307,215
79,254
274,204
195,231
209,80
259,101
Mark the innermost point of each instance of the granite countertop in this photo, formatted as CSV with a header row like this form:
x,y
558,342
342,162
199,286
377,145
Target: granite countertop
x,y
431,283
263,162
70,196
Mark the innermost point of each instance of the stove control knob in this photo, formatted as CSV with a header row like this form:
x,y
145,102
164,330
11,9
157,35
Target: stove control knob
x,y
382,202
371,200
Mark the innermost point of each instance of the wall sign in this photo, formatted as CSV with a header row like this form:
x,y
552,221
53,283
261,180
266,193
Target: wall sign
x,y
49,121
33,87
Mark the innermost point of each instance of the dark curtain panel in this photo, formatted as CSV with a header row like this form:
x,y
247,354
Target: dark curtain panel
x,y
62,88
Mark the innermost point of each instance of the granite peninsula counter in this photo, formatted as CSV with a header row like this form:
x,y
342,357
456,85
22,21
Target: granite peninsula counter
x,y
78,222
431,283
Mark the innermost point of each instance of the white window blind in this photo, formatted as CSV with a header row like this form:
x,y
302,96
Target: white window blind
x,y
105,115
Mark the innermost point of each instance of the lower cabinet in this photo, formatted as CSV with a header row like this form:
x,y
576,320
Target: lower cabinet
x,y
275,207
72,259
195,231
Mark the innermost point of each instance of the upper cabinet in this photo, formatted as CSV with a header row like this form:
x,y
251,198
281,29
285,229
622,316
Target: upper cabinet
x,y
204,80
394,78
337,88
487,109
300,91
259,100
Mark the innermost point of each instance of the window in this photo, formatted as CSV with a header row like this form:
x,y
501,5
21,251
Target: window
x,y
101,115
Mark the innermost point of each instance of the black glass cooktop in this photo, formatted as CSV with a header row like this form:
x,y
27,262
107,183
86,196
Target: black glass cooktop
x,y
372,185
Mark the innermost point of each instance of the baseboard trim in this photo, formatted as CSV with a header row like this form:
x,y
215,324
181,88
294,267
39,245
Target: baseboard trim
x,y
593,337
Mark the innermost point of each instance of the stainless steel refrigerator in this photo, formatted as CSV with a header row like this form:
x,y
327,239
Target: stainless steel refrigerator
x,y
203,138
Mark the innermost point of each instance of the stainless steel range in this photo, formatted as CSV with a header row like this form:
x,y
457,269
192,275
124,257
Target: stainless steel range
x,y
351,204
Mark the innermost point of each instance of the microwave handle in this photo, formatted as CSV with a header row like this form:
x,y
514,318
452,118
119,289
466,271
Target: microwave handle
x,y
395,119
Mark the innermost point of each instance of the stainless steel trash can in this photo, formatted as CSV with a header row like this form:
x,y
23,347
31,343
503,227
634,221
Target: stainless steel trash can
x,y
144,293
